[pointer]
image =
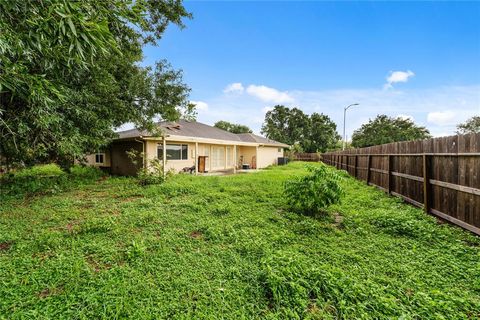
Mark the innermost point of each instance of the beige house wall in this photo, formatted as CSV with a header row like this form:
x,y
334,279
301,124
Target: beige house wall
x,y
90,159
268,156
246,155
176,165
204,149
220,156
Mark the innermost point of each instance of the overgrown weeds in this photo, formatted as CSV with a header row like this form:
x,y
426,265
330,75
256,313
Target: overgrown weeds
x,y
199,247
46,179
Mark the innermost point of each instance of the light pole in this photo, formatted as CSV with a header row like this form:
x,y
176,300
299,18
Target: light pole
x,y
344,117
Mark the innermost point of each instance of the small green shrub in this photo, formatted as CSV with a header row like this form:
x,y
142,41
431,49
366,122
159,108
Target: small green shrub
x,y
152,173
40,178
314,192
41,170
45,179
86,172
135,250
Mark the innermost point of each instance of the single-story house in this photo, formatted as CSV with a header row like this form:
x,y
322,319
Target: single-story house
x,y
189,144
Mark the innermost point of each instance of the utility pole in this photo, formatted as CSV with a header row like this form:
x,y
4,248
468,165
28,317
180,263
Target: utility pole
x,y
344,119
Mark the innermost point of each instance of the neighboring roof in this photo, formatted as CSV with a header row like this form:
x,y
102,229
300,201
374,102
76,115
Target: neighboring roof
x,y
250,137
196,129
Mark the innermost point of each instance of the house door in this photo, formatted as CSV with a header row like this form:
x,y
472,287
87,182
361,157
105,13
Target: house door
x,y
218,157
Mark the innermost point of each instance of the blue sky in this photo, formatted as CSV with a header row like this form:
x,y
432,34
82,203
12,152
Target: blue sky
x,y
410,59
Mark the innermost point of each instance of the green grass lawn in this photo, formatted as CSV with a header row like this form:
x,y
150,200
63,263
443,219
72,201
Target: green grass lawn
x,y
228,248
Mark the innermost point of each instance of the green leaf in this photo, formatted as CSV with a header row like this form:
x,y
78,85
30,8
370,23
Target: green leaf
x,y
72,26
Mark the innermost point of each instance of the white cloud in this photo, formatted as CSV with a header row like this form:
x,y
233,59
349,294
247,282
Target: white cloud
x,y
200,105
398,76
266,109
415,103
235,87
440,118
406,117
268,94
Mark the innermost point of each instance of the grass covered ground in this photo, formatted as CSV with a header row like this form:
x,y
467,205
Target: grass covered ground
x,y
229,248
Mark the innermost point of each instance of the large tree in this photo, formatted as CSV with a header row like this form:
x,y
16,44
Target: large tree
x,y
232,127
70,74
313,133
384,129
323,133
472,125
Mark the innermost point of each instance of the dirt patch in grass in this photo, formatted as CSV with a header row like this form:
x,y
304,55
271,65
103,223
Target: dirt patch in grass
x,y
101,179
472,242
96,265
338,220
130,199
4,246
50,292
72,226
196,234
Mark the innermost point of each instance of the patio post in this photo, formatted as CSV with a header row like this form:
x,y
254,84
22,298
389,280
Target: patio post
x,y
196,158
164,156
234,159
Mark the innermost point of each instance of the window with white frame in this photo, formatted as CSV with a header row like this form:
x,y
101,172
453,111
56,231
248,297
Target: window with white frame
x,y
174,152
99,158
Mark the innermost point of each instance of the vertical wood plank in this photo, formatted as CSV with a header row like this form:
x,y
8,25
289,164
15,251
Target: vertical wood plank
x,y
389,177
426,183
355,166
369,159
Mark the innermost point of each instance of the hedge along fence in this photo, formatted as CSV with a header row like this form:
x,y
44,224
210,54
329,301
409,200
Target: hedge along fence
x,y
442,175
304,156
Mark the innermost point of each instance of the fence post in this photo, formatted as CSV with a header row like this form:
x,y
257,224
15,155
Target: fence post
x,y
389,178
369,158
355,167
426,183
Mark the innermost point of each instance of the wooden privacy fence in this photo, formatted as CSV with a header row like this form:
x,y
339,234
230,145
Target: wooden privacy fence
x,y
442,175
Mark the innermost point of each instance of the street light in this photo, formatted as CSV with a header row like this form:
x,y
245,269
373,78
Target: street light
x,y
344,117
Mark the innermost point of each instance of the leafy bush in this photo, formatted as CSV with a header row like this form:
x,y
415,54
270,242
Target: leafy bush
x,y
39,178
45,179
42,170
314,192
152,173
86,172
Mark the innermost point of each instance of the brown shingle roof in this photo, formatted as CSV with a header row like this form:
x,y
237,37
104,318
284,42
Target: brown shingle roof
x,y
250,137
196,129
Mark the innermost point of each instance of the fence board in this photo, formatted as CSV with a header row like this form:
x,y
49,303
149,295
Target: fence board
x,y
453,174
